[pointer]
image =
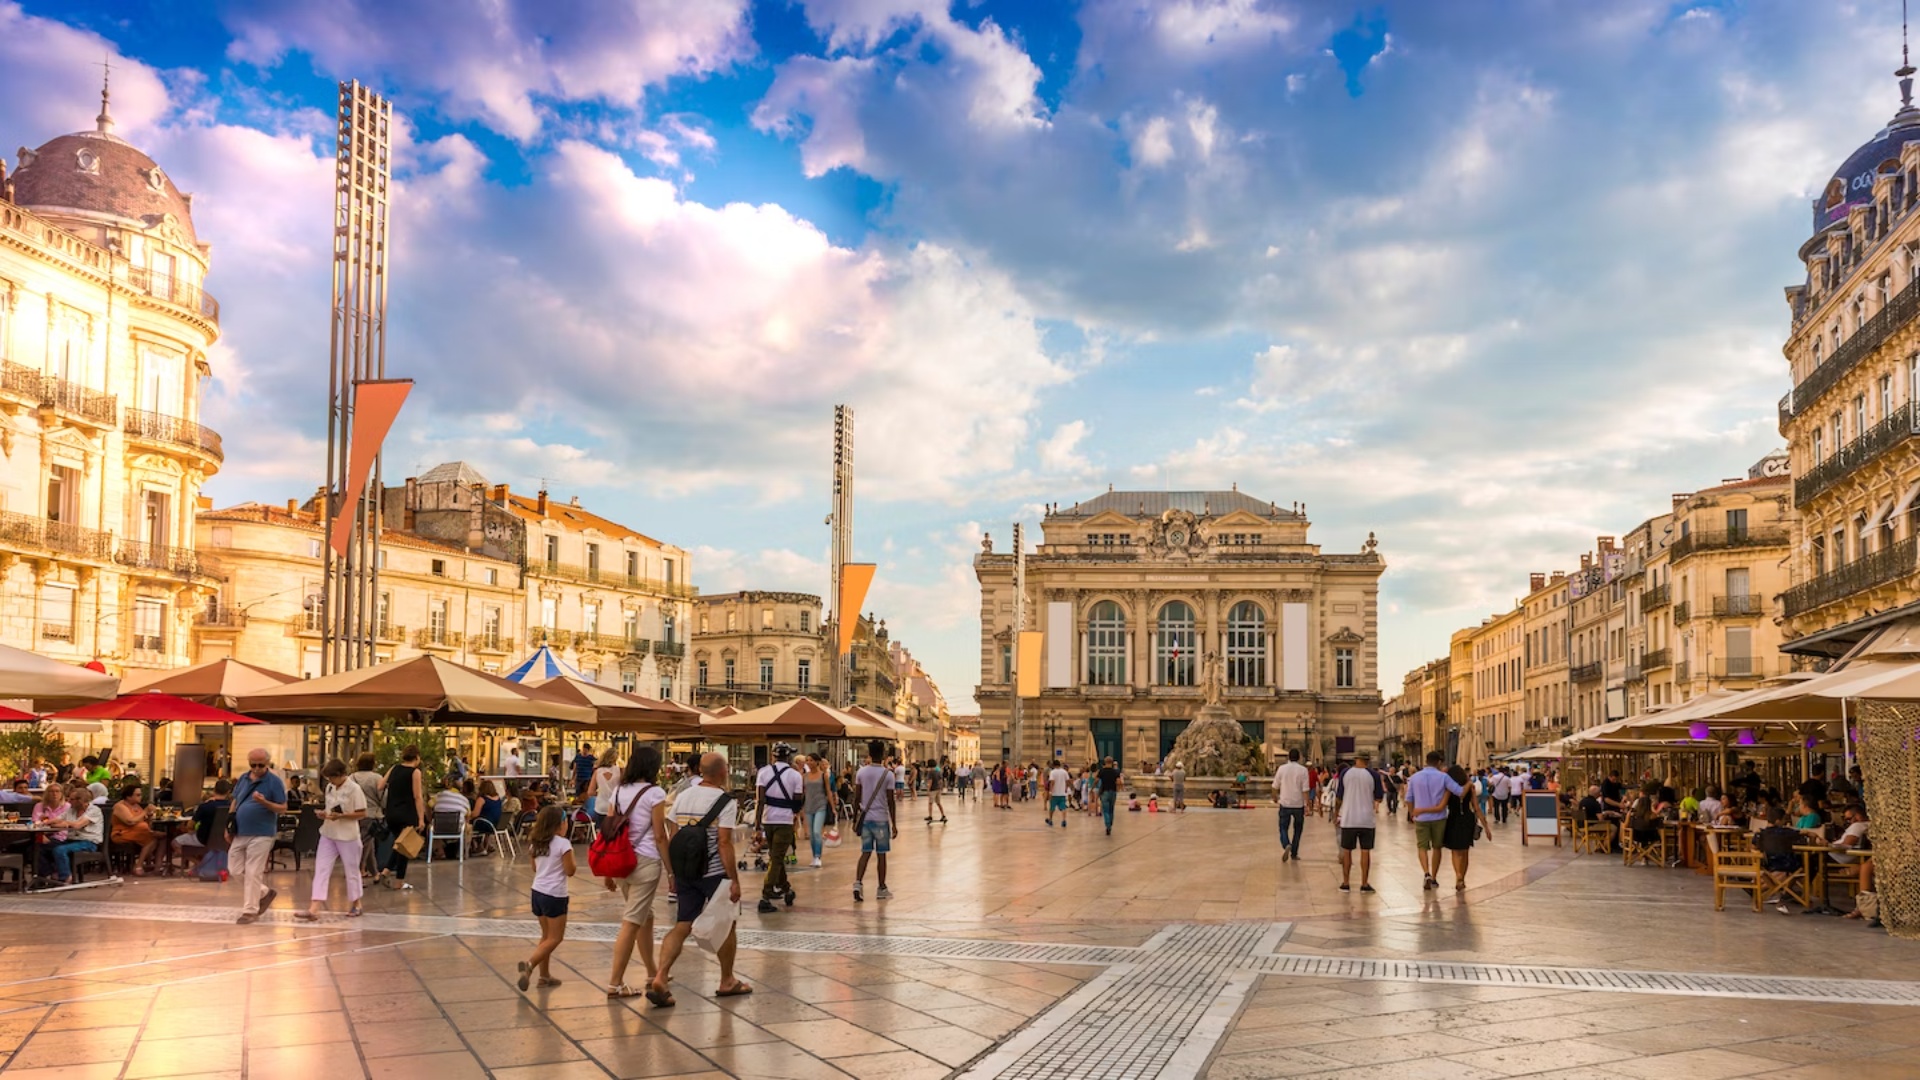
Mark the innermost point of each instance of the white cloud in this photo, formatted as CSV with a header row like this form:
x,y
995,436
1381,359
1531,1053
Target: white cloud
x,y
1060,452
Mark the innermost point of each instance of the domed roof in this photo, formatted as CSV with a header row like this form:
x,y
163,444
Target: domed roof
x,y
1852,183
99,172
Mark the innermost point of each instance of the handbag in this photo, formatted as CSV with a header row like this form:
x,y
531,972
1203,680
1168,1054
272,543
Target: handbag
x,y
611,854
409,842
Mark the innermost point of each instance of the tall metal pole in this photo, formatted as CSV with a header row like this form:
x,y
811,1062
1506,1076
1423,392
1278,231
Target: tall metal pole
x,y
350,596
1019,624
842,547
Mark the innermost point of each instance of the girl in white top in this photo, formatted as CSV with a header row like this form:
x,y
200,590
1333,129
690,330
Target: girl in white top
x,y
606,777
345,804
552,854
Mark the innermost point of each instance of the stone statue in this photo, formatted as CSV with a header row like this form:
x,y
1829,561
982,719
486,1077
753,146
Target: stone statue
x,y
986,542
1213,677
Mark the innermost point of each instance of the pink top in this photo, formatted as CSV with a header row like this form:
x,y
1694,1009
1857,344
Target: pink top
x,y
44,813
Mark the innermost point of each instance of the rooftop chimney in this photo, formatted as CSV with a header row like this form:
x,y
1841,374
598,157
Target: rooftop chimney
x,y
500,493
293,506
542,503
1559,576
1536,582
1605,543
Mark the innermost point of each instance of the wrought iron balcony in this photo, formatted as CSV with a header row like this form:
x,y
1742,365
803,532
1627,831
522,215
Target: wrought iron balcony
x,y
1658,596
429,638
1656,659
174,431
161,559
617,643
77,401
492,643
1635,673
393,632
225,618
613,579
669,648
1723,539
541,635
1588,672
174,291
149,643
1876,568
1682,611
1728,606
1898,426
22,532
1897,313
1785,412
56,632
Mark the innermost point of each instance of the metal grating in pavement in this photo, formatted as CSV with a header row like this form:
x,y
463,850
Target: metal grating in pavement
x,y
1684,984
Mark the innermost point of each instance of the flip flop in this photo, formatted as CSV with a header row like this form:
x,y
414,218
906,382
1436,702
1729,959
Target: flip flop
x,y
660,998
741,990
622,990
545,982
526,976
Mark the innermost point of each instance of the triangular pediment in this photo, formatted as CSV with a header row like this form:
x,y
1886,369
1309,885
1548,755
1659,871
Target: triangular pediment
x,y
1345,636
1240,518
1109,518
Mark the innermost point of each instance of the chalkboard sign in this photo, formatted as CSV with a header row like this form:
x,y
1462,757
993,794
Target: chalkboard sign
x,y
1540,816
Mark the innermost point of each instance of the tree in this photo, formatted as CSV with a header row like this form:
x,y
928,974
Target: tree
x,y
390,739
23,745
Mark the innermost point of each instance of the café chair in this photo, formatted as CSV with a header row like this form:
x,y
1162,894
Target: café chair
x,y
14,867
304,841
1592,837
1652,852
82,861
448,825
1738,870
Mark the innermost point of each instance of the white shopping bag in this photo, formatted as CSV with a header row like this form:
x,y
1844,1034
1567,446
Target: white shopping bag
x,y
710,930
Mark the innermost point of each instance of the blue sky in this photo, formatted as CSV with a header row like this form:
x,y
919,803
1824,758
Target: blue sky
x,y
1488,279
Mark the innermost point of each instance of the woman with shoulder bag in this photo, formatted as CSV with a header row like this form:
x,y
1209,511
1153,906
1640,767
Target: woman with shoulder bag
x,y
821,807
406,809
640,803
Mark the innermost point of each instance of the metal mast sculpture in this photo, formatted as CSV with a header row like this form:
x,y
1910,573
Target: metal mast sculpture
x,y
849,579
362,401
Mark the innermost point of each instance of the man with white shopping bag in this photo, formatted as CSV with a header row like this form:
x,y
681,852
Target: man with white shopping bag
x,y
705,817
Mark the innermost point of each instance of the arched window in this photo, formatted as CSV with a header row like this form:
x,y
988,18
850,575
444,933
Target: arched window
x,y
1246,645
1173,642
1106,645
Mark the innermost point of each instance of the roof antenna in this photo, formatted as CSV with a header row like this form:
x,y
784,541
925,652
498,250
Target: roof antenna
x,y
1906,66
104,122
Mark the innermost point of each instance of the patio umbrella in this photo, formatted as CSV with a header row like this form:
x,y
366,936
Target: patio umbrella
x,y
900,732
220,683
798,717
544,664
50,683
15,716
621,712
724,711
152,709
422,691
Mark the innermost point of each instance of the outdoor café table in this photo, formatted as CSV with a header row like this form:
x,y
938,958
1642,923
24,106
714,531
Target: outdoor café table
x,y
1813,858
13,833
167,827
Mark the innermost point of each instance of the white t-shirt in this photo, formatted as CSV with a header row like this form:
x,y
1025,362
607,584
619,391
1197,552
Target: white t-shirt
x,y
869,780
640,819
96,823
605,779
550,870
1292,782
1057,782
511,766
789,785
344,798
1859,829
692,804
1502,785
1356,799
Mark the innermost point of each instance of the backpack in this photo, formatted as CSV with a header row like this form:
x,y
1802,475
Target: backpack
x,y
783,801
687,852
611,854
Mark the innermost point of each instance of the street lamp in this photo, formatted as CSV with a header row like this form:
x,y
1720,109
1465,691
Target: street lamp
x,y
1052,727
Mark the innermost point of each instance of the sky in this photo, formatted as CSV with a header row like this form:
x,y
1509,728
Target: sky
x,y
1487,278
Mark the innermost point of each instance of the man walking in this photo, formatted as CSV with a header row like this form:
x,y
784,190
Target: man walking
x,y
583,765
781,791
1292,784
1109,792
1427,795
259,798
1502,789
1355,794
1058,780
706,803
878,826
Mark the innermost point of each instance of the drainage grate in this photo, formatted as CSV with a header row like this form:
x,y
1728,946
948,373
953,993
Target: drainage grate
x,y
1685,984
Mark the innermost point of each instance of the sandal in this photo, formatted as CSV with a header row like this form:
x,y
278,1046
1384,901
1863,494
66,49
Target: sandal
x,y
740,989
354,912
526,976
622,990
306,916
544,981
660,998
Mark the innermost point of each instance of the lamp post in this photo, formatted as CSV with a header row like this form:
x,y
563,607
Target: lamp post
x,y
1052,726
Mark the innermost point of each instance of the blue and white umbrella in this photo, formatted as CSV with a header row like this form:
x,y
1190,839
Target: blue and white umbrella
x,y
544,664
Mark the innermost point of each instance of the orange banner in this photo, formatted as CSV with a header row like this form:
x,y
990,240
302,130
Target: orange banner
x,y
855,578
376,403
1027,664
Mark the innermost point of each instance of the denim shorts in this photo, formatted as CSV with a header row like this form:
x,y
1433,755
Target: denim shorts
x,y
876,837
549,907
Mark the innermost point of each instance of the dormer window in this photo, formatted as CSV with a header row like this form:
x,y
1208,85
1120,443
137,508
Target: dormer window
x,y
87,161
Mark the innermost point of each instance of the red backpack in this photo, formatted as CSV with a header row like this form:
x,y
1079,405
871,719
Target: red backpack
x,y
611,854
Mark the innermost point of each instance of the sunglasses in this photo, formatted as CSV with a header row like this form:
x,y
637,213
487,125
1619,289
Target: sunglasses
x,y
251,767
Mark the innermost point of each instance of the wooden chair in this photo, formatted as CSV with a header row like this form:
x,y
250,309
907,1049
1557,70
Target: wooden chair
x,y
1738,870
1592,837
1845,873
1652,852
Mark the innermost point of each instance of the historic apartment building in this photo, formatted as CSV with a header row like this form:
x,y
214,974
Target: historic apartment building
x,y
1728,572
1853,354
1142,595
1498,646
104,338
1545,670
757,648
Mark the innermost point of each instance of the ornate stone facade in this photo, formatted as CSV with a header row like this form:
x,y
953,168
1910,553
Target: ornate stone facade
x,y
1142,594
755,648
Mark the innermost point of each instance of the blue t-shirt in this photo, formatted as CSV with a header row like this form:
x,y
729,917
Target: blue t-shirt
x,y
1426,789
250,818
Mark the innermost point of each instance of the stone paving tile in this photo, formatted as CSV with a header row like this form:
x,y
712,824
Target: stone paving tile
x,y
832,1038
499,1049
451,1066
643,1055
196,1056
1266,1065
67,1072
773,1061
50,1048
1709,1064
1430,1044
1539,1057
317,1059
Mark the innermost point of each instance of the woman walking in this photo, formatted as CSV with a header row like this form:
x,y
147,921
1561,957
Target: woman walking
x,y
552,854
643,803
935,785
606,777
997,780
1465,820
406,809
345,806
821,807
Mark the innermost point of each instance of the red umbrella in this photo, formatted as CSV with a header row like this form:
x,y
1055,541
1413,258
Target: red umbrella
x,y
15,716
153,709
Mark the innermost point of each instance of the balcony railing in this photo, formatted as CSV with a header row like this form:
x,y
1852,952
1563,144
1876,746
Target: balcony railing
x,y
615,579
1656,659
1635,673
1897,427
1740,667
225,618
21,531
149,643
1588,672
25,384
159,558
1658,596
618,643
1727,606
56,632
669,648
159,427
1682,612
1724,539
1871,335
492,643
430,638
723,695
174,291
1870,570
541,635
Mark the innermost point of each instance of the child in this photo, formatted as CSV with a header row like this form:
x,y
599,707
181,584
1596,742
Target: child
x,y
552,854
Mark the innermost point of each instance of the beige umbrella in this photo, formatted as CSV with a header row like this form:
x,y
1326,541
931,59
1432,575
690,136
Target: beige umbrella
x,y
50,683
798,717
901,732
422,691
621,712
219,683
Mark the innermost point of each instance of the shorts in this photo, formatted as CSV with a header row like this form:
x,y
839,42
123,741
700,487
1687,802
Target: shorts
x,y
1058,802
690,897
1356,838
549,907
876,837
1428,835
638,890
